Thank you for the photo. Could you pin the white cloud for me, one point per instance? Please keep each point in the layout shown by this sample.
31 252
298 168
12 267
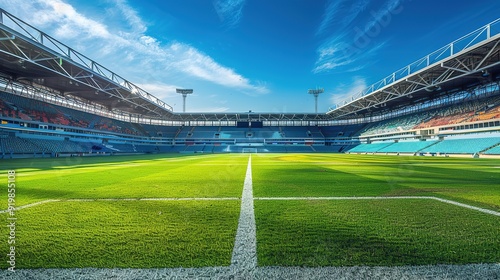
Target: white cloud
127 48
70 23
355 32
210 109
130 15
229 11
341 13
336 54
195 63
160 90
331 11
347 92
354 11
383 16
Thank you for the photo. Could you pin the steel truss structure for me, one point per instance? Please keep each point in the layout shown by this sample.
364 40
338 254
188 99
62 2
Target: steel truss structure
31 56
35 65
250 116
467 62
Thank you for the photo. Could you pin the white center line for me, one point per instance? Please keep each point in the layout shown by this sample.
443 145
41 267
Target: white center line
244 257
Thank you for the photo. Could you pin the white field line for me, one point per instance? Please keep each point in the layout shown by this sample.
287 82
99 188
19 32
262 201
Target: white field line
244 257
123 199
487 211
150 199
483 210
468 271
30 205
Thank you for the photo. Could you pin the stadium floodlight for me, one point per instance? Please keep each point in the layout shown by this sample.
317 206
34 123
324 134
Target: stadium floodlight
316 92
184 93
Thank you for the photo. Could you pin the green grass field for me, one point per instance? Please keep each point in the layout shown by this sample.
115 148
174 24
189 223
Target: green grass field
470 181
376 232
127 177
111 227
138 234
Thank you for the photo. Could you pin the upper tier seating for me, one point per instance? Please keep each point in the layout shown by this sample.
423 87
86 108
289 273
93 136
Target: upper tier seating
493 151
462 146
407 147
370 148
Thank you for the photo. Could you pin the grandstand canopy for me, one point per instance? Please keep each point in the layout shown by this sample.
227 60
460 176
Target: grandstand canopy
31 57
468 62
249 116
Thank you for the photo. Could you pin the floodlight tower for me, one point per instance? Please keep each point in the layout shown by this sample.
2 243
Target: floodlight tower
316 92
184 93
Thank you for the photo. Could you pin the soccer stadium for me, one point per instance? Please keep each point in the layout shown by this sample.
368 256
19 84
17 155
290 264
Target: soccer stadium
102 179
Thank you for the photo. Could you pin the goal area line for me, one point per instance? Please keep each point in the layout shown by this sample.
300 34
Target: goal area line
483 210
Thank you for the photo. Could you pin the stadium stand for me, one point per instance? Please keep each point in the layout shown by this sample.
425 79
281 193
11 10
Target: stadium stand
462 146
493 151
406 114
194 148
159 130
346 131
232 133
471 111
370 147
299 149
121 147
220 149
327 149
467 112
273 149
267 133
30 109
208 149
301 132
407 146
146 148
396 124
19 145
58 146
111 136
203 132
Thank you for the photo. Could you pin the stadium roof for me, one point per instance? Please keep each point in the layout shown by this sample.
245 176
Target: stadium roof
249 116
467 62
30 56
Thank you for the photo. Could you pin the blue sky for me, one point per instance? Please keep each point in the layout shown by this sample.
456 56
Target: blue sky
259 55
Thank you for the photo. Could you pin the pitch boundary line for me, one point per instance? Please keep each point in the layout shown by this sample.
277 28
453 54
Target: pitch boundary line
30 205
483 210
417 272
487 211
122 199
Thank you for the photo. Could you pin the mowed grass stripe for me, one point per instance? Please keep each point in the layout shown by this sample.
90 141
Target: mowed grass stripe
153 177
470 181
123 199
127 234
487 211
409 232
373 232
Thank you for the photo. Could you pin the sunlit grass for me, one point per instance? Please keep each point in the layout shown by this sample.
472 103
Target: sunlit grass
373 232
472 181
133 233
141 234
132 177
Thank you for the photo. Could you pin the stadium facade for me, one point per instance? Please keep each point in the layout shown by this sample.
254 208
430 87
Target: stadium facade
54 101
